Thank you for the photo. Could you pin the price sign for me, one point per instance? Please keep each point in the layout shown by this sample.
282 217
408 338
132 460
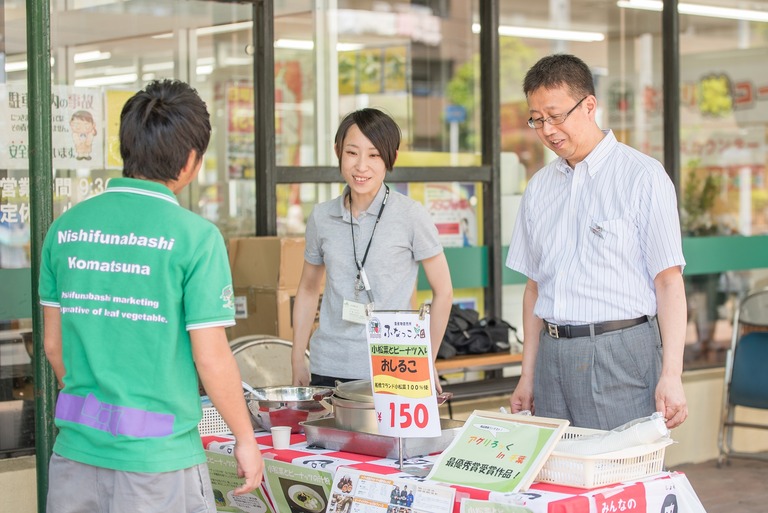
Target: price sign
402 374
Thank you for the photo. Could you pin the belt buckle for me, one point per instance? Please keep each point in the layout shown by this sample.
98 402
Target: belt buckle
552 330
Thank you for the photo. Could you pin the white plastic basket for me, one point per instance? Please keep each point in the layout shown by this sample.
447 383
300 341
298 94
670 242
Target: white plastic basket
602 469
212 423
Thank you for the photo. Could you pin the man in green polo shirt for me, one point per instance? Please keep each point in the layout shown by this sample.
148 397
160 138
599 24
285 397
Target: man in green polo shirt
136 293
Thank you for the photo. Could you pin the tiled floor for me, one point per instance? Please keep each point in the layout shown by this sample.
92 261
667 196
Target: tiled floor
739 487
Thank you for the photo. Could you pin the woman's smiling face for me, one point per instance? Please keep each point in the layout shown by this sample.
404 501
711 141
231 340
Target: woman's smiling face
361 165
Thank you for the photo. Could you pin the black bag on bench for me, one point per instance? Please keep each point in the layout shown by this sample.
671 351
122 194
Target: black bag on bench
466 333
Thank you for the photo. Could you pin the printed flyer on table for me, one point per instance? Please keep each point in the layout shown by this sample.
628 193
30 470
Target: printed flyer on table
355 491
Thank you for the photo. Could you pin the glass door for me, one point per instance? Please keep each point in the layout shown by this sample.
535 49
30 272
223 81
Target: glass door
102 52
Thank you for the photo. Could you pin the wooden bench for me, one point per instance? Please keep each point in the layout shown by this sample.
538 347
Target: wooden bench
476 362
494 383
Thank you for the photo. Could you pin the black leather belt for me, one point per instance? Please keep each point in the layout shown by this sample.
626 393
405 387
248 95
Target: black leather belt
570 331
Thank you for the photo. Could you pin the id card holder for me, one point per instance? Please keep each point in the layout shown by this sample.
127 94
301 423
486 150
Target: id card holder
355 312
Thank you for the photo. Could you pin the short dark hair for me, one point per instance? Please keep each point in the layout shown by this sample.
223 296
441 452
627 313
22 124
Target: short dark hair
159 125
559 70
378 127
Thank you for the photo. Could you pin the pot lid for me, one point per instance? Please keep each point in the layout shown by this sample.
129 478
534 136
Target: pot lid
359 390
287 393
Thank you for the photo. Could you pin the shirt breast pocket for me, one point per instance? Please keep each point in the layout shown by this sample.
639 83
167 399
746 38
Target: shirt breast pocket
607 240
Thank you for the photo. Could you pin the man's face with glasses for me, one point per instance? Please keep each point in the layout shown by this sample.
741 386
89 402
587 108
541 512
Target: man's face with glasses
564 124
554 119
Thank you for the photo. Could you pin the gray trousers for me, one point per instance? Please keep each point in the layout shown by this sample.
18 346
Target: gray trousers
75 487
599 382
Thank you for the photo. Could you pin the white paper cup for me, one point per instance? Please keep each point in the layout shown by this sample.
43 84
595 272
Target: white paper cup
281 437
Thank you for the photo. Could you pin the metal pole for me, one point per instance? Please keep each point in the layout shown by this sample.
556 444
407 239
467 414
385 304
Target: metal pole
670 22
41 208
491 148
264 116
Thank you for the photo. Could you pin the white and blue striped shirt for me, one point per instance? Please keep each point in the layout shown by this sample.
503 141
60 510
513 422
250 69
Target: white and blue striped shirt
593 238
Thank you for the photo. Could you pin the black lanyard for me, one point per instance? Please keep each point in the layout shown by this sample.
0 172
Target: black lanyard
361 263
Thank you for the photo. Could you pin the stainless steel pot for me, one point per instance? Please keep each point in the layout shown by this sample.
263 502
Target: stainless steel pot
286 406
353 406
359 390
352 403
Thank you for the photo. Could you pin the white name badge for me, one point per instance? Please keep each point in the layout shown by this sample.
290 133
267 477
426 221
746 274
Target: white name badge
353 311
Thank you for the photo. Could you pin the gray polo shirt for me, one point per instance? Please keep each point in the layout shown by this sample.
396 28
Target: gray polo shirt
404 236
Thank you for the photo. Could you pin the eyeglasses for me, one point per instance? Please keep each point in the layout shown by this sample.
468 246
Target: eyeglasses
557 119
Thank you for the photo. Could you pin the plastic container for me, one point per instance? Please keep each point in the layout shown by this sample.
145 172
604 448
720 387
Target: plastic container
637 433
211 423
602 469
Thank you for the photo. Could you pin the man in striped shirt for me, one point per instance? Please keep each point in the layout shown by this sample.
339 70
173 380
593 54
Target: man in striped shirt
598 236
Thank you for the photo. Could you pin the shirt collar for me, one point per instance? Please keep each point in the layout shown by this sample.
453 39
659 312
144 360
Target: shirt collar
598 155
595 157
143 187
342 211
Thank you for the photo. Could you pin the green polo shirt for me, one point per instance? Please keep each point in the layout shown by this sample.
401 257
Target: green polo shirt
132 272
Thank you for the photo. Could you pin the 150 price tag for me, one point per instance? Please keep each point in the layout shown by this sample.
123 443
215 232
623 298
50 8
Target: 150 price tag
402 417
402 375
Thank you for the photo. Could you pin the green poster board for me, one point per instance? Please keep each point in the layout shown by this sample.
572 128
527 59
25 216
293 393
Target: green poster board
294 488
498 452
223 470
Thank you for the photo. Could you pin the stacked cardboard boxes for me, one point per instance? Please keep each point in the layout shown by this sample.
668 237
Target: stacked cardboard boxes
265 275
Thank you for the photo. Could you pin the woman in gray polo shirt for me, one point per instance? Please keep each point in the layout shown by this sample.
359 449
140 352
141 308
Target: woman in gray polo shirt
369 242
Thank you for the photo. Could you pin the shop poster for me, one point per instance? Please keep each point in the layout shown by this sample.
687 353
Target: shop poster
115 101
402 374
374 70
355 491
77 126
289 83
224 480
240 130
296 489
498 452
453 207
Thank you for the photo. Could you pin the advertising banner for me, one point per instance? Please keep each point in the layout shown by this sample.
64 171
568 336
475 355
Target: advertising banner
77 127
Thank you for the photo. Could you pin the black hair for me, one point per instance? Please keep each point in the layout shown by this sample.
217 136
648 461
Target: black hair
559 70
669 500
159 125
378 127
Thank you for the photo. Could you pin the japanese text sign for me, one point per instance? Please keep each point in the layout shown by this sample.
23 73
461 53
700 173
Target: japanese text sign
356 491
402 374
501 453
77 127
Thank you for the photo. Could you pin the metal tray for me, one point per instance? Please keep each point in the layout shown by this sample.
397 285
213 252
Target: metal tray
324 433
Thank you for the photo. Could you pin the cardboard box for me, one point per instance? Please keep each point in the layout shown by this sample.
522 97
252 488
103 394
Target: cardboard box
265 275
265 312
266 262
